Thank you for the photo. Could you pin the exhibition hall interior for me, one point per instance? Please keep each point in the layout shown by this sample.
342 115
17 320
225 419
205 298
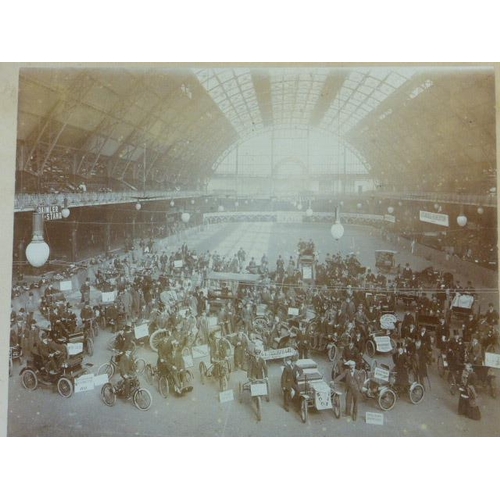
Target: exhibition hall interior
244 250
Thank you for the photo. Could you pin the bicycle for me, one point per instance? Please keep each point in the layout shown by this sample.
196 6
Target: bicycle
258 388
165 378
219 369
110 368
141 397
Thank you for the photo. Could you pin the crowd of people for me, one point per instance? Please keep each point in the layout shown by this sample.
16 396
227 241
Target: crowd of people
344 303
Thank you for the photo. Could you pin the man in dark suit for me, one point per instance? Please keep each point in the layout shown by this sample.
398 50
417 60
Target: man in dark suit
287 383
354 386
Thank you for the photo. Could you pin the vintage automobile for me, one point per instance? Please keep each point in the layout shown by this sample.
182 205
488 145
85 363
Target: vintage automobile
312 391
70 368
385 261
380 385
141 397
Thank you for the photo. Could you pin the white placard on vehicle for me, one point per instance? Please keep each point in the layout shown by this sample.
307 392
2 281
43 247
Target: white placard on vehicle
374 418
284 352
381 374
74 348
66 286
141 331
492 360
84 383
101 379
322 399
108 297
226 396
188 361
178 263
258 389
293 311
307 273
199 351
383 344
388 321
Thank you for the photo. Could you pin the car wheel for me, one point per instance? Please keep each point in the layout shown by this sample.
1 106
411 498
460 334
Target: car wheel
303 410
106 368
417 393
336 405
387 399
64 387
370 348
163 386
108 394
29 380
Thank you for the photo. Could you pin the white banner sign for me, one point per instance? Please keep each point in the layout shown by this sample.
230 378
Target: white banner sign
307 273
107 297
258 389
492 360
84 383
434 218
285 352
226 396
374 418
383 344
178 263
141 331
388 321
188 361
74 348
66 286
199 351
381 374
389 218
293 311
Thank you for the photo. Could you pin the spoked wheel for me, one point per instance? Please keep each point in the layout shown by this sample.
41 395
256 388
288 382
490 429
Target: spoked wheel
332 352
89 347
259 408
163 387
106 368
260 326
140 365
149 374
188 376
142 399
416 393
108 394
440 366
387 399
203 372
156 338
370 348
65 387
336 405
335 371
29 380
303 410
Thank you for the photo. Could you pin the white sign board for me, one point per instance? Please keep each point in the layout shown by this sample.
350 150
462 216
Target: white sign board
141 331
258 389
66 286
307 273
188 361
383 344
199 351
322 395
100 379
388 321
374 418
381 374
389 218
84 383
293 311
226 396
178 264
74 348
462 300
492 360
108 297
285 352
434 218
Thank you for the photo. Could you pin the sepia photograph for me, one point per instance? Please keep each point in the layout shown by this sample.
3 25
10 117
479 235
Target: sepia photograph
253 250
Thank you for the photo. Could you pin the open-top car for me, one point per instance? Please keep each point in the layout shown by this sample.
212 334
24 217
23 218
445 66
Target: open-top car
312 391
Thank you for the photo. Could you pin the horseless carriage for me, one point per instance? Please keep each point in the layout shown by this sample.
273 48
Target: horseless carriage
165 379
312 391
35 373
141 397
380 385
385 261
